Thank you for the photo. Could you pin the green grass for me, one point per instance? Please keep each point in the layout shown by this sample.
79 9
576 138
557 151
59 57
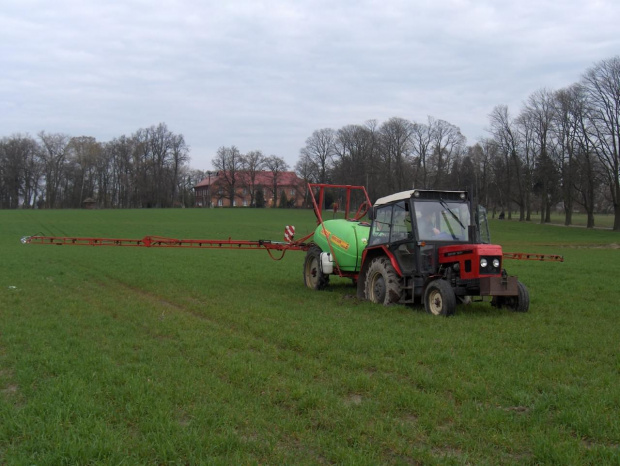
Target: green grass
135 355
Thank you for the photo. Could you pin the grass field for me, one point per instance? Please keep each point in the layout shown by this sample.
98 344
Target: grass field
135 355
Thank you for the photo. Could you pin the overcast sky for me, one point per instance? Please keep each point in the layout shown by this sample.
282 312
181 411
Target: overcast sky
266 74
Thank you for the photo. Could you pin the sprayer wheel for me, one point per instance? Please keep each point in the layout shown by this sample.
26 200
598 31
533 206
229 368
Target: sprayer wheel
314 278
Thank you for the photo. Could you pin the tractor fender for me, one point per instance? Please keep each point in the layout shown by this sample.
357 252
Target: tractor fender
367 257
380 250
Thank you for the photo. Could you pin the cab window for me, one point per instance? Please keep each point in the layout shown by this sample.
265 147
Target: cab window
380 231
401 222
392 223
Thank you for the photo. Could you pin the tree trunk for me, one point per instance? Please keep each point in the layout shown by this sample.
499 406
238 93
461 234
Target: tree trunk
590 223
568 211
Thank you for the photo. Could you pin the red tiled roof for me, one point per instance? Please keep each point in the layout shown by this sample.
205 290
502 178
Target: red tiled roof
263 178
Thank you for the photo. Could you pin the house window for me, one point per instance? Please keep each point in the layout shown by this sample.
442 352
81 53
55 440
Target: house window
234 202
245 203
220 202
292 192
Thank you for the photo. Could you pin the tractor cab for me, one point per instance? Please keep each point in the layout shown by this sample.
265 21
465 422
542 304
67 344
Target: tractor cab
414 224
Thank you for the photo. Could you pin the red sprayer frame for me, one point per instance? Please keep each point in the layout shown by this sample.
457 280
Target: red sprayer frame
359 214
361 211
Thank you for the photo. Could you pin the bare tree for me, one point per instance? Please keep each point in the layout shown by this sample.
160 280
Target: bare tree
588 173
480 155
124 176
191 177
539 112
104 178
304 168
421 150
566 128
143 167
447 142
602 86
84 152
179 156
276 165
33 172
354 148
229 161
252 163
54 155
506 135
320 149
160 141
395 140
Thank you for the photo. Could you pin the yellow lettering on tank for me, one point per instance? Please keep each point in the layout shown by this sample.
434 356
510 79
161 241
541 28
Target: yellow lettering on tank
334 239
338 242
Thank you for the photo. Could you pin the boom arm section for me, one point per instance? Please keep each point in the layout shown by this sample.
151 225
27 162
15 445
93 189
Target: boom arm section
162 242
526 256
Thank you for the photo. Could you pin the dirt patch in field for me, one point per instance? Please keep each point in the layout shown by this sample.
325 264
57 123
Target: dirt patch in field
9 390
517 409
353 400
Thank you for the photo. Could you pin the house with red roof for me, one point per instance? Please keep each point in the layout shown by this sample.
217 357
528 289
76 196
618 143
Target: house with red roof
215 189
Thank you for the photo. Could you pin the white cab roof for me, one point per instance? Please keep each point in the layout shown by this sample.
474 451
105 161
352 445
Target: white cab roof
403 195
394 197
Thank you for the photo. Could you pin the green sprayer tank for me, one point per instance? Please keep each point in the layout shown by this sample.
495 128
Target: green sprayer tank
347 238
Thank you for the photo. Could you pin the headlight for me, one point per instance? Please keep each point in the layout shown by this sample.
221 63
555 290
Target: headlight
483 263
496 263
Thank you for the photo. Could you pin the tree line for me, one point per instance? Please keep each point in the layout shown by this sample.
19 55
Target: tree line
561 149
146 169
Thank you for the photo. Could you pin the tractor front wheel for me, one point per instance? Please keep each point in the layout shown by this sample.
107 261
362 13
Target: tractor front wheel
382 284
314 278
439 298
518 303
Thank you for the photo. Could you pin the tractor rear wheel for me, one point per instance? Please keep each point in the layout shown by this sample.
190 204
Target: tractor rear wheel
382 284
439 298
314 278
519 303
